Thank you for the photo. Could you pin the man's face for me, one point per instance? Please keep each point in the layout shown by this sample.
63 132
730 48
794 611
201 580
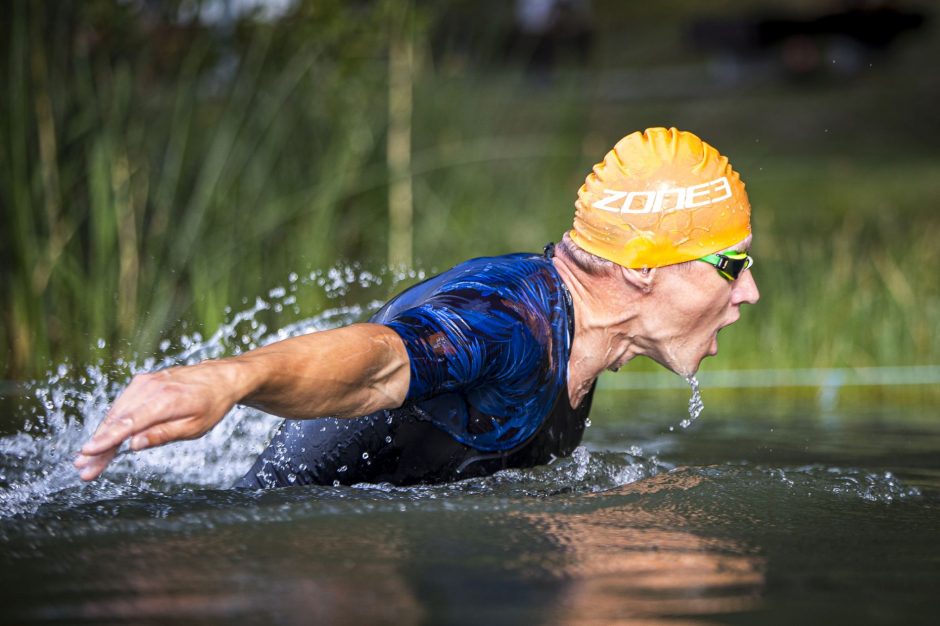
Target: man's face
691 304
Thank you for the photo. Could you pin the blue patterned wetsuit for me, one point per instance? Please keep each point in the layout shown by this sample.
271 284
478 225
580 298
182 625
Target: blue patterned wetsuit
488 343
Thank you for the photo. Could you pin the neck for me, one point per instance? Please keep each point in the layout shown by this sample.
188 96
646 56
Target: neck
605 316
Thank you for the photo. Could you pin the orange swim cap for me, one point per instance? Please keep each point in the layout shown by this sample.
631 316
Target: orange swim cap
661 197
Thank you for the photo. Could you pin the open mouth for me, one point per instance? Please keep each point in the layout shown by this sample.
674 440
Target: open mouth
713 346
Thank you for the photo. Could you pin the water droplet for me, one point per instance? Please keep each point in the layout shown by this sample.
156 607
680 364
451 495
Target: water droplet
342 469
388 439
695 403
365 455
336 483
587 423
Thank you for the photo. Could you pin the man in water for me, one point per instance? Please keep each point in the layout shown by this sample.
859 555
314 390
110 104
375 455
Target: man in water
493 363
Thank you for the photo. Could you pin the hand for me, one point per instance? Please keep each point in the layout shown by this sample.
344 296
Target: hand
170 405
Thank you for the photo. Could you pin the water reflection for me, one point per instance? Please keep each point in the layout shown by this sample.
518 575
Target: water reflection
301 601
630 562
642 552
275 573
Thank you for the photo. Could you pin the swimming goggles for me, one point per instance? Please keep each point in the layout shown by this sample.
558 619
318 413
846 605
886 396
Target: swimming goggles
729 264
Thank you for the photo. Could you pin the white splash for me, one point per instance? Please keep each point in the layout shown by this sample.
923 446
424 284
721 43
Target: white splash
36 463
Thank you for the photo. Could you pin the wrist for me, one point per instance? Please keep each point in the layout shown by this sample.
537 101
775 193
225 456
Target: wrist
237 377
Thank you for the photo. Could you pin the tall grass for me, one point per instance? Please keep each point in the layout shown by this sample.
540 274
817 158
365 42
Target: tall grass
140 195
846 252
154 178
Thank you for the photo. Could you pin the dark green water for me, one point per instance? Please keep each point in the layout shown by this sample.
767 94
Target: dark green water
756 516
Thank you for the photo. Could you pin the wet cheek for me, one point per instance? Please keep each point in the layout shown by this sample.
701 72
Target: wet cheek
716 306
715 313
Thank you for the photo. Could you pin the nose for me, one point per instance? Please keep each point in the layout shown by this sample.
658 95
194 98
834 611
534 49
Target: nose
745 289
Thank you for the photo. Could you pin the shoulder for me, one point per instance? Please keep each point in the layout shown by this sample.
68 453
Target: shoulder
508 270
515 276
482 283
516 287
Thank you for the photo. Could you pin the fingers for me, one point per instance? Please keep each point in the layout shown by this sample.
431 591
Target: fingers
110 434
137 408
91 464
101 449
174 404
90 467
142 404
155 436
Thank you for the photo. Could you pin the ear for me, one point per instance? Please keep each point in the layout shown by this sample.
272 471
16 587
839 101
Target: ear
639 279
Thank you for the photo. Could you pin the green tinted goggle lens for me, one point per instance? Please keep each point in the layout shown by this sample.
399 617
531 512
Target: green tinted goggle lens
730 264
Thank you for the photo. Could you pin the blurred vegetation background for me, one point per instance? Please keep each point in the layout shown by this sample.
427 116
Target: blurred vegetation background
161 162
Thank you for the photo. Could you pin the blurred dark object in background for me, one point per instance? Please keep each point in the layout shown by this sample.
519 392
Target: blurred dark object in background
547 33
841 43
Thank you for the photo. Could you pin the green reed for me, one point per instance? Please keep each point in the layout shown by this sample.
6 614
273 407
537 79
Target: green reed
140 196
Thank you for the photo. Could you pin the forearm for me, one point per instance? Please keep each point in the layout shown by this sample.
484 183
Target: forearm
348 371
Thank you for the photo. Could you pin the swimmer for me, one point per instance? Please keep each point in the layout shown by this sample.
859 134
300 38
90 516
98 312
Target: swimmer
491 364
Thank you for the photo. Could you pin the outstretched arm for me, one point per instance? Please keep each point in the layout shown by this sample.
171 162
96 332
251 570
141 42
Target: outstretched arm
346 372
